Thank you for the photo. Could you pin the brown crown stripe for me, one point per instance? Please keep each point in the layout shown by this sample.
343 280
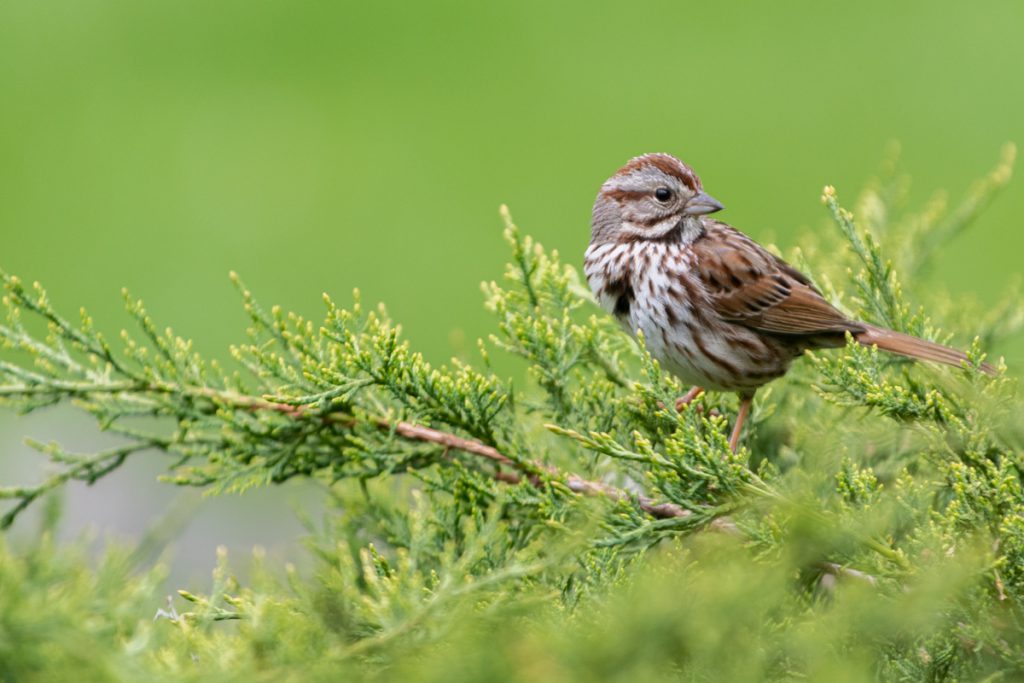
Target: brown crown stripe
666 164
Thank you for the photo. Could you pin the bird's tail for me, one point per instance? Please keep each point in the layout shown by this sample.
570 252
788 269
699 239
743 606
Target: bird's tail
912 347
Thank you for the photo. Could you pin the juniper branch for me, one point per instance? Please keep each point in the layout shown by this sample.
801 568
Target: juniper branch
414 432
88 469
928 507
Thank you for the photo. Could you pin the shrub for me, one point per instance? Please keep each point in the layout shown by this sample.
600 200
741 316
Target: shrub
580 527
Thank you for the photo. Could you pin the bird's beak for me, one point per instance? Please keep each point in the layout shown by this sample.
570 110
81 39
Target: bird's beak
702 204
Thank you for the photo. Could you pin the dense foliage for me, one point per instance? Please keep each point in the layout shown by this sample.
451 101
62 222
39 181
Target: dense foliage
581 527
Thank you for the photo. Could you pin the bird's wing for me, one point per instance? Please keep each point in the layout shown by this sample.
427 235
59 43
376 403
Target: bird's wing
750 286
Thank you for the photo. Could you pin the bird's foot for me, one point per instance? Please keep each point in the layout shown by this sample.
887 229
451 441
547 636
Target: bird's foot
688 398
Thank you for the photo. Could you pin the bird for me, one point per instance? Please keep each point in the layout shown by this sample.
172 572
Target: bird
714 307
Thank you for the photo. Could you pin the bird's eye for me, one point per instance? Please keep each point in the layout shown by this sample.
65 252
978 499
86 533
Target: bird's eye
663 194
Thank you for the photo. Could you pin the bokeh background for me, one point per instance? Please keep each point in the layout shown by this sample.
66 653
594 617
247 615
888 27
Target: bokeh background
320 146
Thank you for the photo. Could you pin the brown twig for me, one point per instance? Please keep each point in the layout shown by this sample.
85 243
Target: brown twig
421 433
575 483
648 505
415 432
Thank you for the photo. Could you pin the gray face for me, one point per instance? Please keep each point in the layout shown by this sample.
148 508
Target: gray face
648 198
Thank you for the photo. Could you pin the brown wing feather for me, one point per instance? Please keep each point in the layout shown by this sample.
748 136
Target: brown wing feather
750 286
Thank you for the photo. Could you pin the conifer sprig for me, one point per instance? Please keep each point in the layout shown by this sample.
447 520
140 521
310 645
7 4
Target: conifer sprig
473 517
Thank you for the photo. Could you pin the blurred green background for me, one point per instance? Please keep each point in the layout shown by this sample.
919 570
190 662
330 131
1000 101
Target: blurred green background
320 146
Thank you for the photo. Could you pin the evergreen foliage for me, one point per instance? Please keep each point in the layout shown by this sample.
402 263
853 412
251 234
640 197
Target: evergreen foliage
578 528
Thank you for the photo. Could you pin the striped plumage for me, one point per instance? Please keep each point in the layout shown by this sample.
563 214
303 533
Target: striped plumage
715 308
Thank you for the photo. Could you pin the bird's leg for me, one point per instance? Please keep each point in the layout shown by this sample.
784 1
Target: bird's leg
734 440
688 398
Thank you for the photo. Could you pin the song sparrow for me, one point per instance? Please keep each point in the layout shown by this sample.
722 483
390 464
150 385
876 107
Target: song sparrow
715 308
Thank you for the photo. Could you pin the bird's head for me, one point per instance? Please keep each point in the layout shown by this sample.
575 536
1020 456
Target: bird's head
649 198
